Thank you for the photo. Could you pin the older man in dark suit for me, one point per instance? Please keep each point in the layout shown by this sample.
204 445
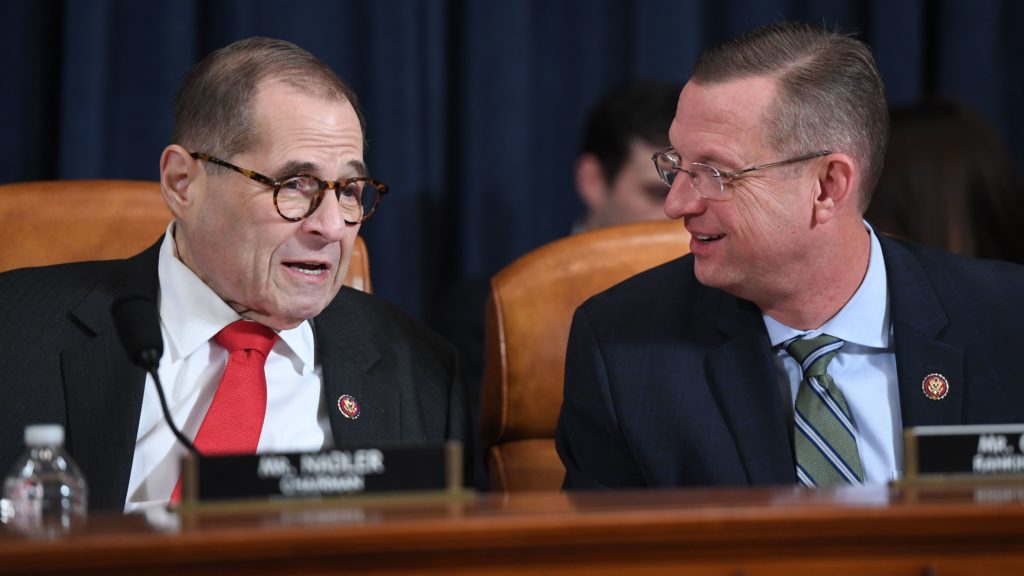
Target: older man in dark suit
794 344
267 184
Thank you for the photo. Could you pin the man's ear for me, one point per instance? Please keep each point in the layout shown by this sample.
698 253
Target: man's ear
836 187
178 170
591 184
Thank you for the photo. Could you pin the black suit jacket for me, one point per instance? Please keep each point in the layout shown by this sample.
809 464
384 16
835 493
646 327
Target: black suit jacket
61 361
671 383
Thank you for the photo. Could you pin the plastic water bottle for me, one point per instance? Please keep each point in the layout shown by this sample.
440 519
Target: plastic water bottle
47 493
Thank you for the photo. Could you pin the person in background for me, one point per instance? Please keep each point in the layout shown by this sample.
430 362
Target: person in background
613 172
265 350
794 343
616 185
949 182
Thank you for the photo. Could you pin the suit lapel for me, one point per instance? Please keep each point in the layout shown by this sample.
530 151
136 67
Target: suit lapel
102 388
744 383
917 319
348 348
743 379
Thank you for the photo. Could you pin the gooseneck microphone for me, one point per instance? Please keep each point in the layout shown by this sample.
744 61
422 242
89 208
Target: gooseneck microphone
138 326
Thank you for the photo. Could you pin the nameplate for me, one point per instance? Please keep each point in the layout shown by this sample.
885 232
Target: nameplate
318 475
963 452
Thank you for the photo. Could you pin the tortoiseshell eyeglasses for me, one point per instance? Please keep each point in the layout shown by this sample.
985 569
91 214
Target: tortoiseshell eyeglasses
297 197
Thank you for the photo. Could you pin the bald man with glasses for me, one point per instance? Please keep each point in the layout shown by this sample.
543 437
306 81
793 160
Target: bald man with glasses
266 180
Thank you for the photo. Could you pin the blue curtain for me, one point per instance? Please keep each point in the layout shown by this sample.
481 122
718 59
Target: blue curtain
474 106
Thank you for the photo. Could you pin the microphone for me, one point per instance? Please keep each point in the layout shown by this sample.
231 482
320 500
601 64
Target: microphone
138 326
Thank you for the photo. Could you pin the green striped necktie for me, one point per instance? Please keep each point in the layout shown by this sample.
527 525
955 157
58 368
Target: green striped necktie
824 434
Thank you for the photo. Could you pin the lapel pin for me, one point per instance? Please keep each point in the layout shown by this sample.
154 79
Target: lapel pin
348 406
935 386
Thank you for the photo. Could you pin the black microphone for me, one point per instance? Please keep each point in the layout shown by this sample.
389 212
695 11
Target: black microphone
138 326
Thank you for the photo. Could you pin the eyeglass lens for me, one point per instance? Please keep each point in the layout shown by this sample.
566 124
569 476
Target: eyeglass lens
704 179
666 166
297 196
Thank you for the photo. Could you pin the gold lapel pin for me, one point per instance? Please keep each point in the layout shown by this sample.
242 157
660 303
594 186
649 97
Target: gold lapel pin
348 406
935 386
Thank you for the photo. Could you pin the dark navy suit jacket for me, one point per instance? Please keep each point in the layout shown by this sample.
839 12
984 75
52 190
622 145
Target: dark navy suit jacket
61 361
671 383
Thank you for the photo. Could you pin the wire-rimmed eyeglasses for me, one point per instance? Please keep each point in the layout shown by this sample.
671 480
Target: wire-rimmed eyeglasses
708 181
299 195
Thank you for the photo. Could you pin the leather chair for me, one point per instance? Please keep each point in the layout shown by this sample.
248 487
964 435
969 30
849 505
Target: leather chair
49 222
529 312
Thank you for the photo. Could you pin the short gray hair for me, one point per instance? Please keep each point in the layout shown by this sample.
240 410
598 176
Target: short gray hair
213 110
830 93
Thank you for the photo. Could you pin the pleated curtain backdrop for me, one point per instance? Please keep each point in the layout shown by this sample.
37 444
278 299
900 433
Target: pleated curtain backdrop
474 107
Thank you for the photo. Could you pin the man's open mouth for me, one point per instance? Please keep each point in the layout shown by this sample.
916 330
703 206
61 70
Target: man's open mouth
307 268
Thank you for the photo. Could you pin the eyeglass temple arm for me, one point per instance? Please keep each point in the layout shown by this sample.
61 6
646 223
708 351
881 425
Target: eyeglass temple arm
243 171
779 163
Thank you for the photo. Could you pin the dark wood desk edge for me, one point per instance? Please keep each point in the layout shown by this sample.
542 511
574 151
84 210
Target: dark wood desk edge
691 526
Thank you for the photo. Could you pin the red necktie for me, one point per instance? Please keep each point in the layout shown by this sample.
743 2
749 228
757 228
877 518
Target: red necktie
235 419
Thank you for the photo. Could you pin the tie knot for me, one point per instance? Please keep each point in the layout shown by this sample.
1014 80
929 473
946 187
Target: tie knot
814 354
246 335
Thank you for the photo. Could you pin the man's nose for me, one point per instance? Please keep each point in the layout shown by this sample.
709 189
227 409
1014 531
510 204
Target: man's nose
328 219
683 199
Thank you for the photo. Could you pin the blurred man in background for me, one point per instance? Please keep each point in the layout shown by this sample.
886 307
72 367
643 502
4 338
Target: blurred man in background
616 185
613 172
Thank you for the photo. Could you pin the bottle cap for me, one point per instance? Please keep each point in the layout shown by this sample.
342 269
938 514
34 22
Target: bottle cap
44 434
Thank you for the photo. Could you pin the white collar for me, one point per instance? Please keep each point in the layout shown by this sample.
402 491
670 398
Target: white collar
192 313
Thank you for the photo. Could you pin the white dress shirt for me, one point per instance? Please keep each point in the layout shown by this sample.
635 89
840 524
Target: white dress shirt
864 369
190 370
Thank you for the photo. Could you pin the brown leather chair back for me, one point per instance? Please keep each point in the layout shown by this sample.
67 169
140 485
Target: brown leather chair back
529 312
49 222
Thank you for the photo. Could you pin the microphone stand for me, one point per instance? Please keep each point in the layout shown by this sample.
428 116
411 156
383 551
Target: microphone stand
150 365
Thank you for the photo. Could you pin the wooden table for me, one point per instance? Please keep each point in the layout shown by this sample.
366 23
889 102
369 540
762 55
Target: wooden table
936 531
